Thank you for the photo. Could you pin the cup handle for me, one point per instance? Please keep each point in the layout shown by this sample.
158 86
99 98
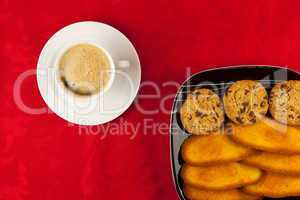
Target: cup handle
123 64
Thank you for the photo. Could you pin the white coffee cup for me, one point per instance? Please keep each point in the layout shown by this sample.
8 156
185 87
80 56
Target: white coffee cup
100 107
67 92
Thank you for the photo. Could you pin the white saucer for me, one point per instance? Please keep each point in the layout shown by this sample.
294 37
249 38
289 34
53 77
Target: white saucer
91 110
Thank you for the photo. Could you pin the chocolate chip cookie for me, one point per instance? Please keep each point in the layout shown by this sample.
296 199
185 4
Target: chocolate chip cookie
202 112
285 102
244 101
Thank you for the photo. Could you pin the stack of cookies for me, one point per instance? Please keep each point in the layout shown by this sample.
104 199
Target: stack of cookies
251 155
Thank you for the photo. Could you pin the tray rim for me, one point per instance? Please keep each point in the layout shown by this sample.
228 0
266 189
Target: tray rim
174 179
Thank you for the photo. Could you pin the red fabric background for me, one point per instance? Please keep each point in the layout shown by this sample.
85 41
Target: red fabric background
42 157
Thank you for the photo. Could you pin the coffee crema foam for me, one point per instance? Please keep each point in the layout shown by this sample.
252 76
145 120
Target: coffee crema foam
85 69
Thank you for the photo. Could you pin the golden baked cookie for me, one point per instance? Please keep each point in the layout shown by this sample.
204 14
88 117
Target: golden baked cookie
267 135
220 177
200 194
276 162
285 102
202 112
212 149
275 186
244 101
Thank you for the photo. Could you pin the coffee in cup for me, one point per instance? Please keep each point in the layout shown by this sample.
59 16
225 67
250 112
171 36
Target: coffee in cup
85 69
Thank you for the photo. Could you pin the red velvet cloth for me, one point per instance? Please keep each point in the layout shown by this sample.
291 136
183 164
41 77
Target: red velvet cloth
44 157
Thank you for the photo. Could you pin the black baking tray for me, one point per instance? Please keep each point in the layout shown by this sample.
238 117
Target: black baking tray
218 80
